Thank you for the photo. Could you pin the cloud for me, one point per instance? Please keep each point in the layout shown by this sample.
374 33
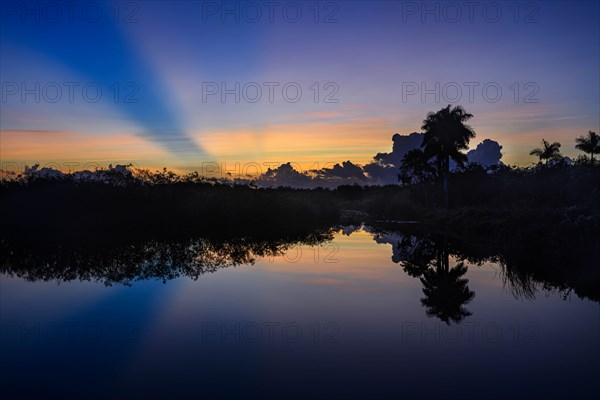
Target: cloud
381 174
284 175
402 144
383 170
347 170
116 175
486 153
346 173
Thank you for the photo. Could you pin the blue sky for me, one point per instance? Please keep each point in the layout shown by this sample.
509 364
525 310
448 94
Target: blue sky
164 54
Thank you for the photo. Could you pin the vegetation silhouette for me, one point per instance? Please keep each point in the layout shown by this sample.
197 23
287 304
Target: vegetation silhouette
528 263
589 144
528 266
416 168
548 152
157 208
445 135
446 291
129 259
541 223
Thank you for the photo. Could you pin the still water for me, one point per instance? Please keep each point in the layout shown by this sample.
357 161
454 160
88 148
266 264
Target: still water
359 313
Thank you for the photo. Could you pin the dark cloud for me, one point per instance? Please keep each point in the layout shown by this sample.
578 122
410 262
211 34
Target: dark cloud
486 153
117 175
284 175
402 144
347 170
381 174
383 170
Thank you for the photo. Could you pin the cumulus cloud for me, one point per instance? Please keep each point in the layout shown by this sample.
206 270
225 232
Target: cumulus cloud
383 170
36 172
486 153
346 171
402 144
284 175
381 174
117 175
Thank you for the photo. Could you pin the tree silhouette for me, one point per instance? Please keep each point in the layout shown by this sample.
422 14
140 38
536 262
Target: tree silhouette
446 291
415 168
446 134
547 152
134 261
589 144
417 254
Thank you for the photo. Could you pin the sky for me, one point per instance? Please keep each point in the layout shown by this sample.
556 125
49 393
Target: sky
183 84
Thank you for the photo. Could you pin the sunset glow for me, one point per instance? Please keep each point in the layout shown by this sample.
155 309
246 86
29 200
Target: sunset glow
169 100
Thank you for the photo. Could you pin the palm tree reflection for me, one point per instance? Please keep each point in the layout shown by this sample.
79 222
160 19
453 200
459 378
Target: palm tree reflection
445 288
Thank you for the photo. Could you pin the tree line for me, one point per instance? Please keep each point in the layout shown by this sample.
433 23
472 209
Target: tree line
447 134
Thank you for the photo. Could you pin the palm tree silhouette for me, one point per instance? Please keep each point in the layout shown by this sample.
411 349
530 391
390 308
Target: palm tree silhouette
589 144
445 136
547 152
446 291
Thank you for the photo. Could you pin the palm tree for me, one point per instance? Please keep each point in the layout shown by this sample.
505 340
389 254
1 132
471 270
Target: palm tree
547 152
446 290
445 136
589 144
446 293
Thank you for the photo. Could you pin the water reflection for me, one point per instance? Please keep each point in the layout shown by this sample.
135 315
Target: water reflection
137 261
526 267
439 262
445 287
